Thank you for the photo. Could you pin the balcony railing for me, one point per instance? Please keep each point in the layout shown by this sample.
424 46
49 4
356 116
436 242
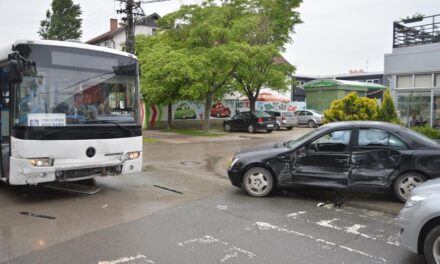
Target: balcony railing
416 31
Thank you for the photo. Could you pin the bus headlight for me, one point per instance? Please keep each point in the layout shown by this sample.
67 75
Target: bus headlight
132 155
41 162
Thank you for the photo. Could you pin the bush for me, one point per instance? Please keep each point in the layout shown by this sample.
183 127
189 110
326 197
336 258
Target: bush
428 131
351 107
387 112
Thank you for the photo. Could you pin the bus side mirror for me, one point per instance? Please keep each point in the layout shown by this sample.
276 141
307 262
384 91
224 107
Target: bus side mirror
15 71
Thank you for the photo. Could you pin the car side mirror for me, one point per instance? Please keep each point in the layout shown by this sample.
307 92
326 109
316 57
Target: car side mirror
15 71
301 152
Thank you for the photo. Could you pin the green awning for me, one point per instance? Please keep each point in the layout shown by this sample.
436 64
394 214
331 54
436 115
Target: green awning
343 83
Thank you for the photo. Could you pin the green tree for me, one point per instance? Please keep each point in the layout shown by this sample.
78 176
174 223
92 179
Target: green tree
350 108
267 27
63 22
260 68
210 35
165 71
387 111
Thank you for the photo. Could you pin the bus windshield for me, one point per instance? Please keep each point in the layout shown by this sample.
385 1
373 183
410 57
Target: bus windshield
70 86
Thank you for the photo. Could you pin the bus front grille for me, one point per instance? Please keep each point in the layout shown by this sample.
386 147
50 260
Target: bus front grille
79 173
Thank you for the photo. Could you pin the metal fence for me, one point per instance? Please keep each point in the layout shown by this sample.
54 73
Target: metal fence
416 31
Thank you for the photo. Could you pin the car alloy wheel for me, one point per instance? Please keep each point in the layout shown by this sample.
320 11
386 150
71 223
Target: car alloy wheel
227 128
251 129
431 246
258 182
277 127
405 183
311 124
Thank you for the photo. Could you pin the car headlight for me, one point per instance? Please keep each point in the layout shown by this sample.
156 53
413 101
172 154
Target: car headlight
415 199
41 162
132 155
234 160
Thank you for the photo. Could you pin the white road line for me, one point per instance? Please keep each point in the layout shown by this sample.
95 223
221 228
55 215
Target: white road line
235 251
268 226
128 259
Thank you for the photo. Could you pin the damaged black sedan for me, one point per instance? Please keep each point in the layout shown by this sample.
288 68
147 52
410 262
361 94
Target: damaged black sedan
353 155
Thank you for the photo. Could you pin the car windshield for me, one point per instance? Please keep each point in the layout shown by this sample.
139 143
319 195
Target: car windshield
316 112
73 87
302 139
261 114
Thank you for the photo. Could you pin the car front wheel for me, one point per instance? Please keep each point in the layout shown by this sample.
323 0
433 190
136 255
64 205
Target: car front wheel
431 246
251 129
258 182
227 128
405 183
311 124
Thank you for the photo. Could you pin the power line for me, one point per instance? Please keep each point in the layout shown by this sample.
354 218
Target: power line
132 10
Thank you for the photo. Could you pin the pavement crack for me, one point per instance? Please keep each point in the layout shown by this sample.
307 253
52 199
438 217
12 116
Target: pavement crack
258 231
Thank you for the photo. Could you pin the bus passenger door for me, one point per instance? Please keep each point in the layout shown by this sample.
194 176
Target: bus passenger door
4 121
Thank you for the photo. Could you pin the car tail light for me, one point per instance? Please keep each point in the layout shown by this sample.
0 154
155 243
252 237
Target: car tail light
260 120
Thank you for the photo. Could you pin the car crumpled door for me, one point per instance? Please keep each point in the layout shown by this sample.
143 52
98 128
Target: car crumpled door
327 163
375 157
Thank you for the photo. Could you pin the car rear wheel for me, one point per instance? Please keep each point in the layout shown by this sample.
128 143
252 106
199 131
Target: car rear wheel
405 183
277 127
269 130
431 246
258 182
251 129
289 128
227 128
311 124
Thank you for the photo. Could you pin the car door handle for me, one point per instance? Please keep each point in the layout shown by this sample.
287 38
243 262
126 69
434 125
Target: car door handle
341 160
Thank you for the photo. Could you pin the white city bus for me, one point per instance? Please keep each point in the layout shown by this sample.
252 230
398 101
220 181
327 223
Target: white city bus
69 111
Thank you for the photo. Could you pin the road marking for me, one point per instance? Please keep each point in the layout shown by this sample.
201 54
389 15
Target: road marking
295 215
268 226
235 251
328 223
222 207
128 259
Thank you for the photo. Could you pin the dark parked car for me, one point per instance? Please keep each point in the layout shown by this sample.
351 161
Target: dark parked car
352 155
251 122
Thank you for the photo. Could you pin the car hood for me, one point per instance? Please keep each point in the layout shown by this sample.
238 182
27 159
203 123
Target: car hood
263 150
431 186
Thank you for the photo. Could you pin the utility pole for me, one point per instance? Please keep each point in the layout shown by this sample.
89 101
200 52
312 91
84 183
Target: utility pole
132 9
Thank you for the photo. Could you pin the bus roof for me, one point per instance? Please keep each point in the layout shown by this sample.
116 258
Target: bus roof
4 51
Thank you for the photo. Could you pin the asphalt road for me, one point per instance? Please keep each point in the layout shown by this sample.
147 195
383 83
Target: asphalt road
198 218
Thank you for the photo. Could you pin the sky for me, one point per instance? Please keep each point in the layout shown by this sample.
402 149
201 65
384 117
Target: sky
336 35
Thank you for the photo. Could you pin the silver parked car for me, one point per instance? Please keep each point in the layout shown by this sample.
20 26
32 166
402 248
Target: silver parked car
309 117
284 119
420 221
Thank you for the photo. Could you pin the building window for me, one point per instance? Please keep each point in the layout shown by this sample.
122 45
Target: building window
404 81
373 81
414 108
437 80
423 80
301 83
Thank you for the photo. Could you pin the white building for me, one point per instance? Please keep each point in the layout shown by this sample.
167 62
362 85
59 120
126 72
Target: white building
413 70
115 37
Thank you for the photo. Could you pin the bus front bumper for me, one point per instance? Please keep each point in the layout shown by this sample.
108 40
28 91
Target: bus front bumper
23 173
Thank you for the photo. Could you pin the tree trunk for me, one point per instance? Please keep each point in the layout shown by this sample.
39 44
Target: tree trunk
252 101
170 116
208 105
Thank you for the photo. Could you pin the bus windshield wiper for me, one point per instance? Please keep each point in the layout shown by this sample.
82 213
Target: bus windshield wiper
54 132
109 122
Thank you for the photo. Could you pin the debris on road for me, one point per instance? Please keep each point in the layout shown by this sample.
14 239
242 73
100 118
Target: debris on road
167 189
38 215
